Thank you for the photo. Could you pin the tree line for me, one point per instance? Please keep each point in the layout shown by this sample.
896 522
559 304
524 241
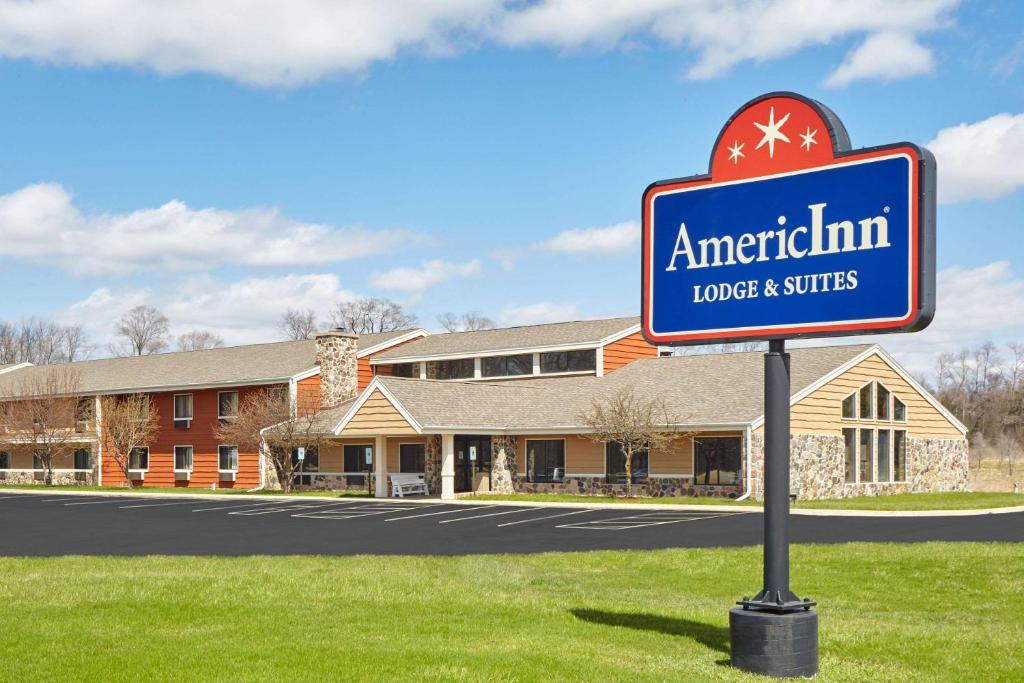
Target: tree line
146 330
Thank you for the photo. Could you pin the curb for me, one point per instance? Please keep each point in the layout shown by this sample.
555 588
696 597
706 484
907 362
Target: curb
471 500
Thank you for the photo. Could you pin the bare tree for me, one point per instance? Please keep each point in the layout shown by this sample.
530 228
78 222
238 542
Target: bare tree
369 315
720 348
467 322
199 340
268 421
144 329
45 414
127 422
637 424
40 341
297 325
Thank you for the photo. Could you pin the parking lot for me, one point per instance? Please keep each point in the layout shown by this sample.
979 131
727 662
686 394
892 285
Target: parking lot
208 525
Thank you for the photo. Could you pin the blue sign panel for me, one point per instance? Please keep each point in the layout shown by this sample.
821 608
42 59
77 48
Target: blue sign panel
837 248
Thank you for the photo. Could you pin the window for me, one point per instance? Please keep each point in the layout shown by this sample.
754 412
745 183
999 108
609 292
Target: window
83 459
545 460
866 404
882 470
850 441
227 458
227 405
899 455
451 369
182 458
716 461
899 410
310 460
411 457
882 402
406 370
867 439
138 459
850 407
37 460
182 407
84 409
5 460
356 457
615 464
568 361
507 366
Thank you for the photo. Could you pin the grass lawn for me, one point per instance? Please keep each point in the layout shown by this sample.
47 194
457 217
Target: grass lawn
190 490
919 501
925 612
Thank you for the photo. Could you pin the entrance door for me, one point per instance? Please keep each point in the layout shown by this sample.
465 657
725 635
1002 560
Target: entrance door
472 462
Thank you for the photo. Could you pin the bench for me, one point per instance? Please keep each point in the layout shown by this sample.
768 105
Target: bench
403 484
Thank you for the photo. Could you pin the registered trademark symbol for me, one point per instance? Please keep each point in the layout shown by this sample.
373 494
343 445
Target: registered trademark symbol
885 209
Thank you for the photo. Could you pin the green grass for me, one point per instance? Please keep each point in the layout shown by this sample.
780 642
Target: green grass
918 612
183 490
919 501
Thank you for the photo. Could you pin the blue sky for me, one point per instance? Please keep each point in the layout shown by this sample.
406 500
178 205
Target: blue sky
458 156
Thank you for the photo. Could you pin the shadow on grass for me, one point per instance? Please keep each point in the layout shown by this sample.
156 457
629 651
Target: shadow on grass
714 637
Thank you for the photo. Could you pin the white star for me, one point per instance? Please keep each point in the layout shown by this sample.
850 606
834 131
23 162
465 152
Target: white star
772 132
808 138
735 152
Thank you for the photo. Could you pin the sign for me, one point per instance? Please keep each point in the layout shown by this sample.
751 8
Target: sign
790 234
369 455
472 452
300 453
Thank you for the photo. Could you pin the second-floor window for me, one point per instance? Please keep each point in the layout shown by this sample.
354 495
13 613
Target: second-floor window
227 405
450 369
406 370
507 366
182 407
568 361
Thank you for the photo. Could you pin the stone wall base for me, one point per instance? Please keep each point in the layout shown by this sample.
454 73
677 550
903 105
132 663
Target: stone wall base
651 488
59 478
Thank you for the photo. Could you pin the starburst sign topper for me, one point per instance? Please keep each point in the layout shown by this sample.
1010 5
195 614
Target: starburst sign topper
791 234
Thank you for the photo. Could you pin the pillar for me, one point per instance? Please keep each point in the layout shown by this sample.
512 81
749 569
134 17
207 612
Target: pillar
380 467
447 467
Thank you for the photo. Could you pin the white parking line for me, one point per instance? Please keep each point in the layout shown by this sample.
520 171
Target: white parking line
157 505
56 500
491 514
348 513
26 496
443 512
539 519
284 508
105 502
238 505
640 521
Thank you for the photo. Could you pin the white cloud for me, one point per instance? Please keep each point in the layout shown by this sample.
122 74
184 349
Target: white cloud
40 223
887 56
535 314
242 312
980 160
722 33
428 274
507 258
974 305
262 42
300 41
612 240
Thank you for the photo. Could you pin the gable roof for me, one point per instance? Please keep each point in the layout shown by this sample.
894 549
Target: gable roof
271 363
580 333
712 390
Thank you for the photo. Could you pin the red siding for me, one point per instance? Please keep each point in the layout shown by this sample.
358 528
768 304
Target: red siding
308 392
202 436
626 350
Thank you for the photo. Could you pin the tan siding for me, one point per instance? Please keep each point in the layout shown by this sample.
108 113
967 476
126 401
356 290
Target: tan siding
627 350
820 412
676 459
377 416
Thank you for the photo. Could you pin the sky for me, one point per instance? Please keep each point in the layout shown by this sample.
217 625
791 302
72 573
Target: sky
227 161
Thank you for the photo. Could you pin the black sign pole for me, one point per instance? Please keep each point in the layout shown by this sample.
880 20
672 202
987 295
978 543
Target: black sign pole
775 633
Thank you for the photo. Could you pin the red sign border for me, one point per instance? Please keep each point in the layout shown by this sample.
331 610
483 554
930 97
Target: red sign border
922 246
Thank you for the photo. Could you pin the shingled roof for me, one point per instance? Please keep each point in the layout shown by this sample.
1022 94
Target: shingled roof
578 333
232 365
705 390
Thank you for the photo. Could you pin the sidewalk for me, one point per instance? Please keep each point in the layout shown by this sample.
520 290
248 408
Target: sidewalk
470 500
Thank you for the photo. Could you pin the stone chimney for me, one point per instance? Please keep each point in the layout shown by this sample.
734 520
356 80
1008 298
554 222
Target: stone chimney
336 355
